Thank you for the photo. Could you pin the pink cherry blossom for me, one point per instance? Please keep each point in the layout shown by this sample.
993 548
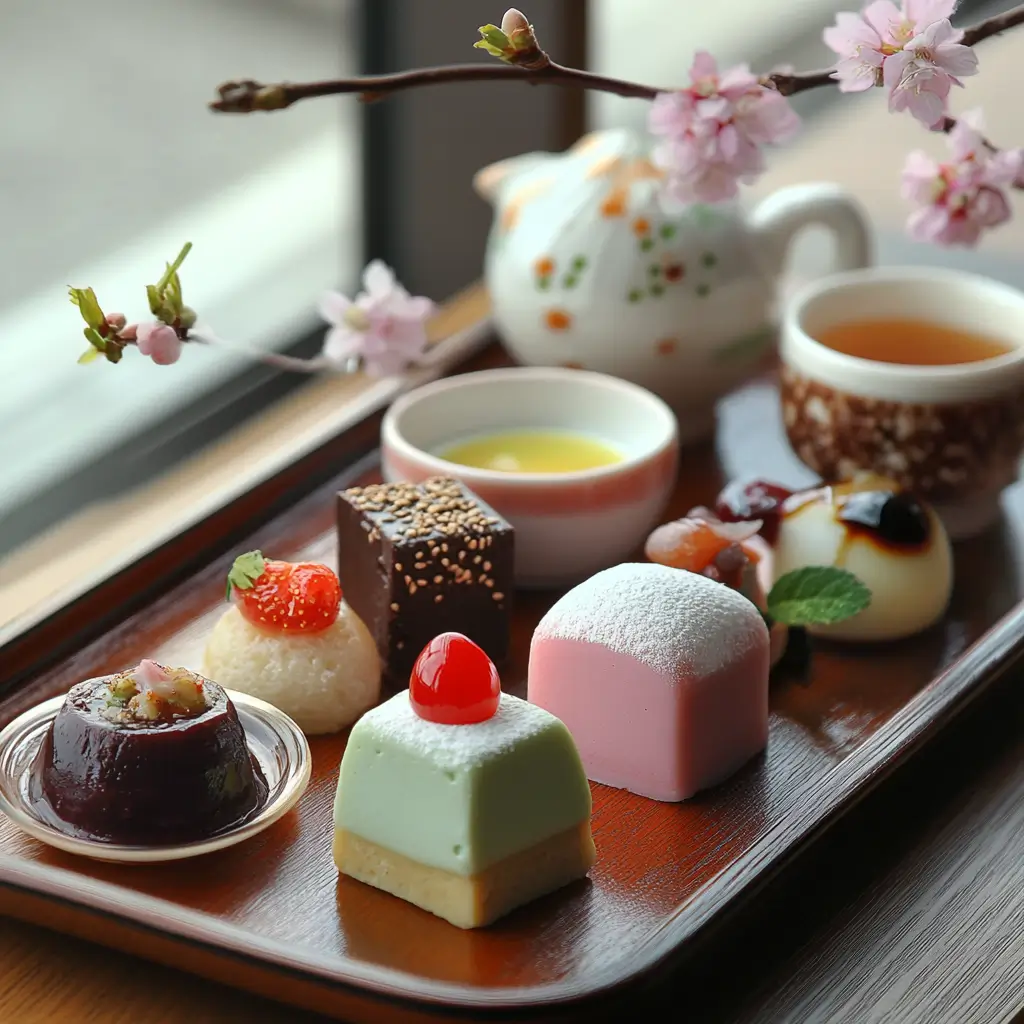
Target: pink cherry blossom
859 47
384 326
912 50
919 77
158 341
713 131
958 200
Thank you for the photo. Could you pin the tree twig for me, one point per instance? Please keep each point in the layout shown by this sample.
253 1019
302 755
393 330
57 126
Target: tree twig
789 84
245 96
994 26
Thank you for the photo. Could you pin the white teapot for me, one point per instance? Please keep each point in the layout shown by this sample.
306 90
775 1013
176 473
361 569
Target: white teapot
586 268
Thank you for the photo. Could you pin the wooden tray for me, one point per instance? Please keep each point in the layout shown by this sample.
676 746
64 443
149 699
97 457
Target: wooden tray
272 915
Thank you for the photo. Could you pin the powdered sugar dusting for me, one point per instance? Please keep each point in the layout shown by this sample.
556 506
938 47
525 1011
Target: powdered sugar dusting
455 747
676 622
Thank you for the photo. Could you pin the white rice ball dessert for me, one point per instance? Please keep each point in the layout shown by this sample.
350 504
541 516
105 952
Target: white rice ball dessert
323 680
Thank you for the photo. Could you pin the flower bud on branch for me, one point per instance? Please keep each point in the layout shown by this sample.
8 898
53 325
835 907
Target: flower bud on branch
514 43
382 331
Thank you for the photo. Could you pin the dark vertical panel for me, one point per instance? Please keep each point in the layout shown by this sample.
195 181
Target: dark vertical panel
423 147
376 55
574 26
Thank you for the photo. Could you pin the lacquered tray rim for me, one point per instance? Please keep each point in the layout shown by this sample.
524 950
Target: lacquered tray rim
909 729
199 929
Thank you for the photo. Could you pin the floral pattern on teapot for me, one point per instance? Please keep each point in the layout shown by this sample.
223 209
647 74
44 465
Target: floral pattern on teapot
586 268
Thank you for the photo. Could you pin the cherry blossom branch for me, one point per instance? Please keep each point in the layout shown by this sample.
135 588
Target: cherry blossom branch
994 26
246 96
382 331
949 123
791 84
527 64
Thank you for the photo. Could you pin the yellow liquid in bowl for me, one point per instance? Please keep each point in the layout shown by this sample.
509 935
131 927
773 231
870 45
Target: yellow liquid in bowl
532 451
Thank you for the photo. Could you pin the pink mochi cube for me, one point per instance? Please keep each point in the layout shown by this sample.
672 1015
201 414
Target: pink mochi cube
661 676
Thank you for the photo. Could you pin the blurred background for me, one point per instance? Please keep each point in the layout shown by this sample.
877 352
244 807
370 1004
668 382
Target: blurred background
109 161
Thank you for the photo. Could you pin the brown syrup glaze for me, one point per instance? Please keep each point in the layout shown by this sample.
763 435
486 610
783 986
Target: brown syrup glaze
892 519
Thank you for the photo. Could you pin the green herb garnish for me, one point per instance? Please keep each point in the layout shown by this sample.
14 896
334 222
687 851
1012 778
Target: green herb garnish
818 595
245 571
121 690
165 301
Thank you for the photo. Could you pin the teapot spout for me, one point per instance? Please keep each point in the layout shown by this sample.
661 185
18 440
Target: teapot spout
488 181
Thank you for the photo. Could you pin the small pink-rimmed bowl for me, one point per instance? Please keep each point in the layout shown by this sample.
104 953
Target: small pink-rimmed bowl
568 525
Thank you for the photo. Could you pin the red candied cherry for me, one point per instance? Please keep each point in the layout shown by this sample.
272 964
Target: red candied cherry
285 597
454 682
754 499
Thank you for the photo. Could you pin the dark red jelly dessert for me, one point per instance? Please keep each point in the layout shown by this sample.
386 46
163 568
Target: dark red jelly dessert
140 767
743 500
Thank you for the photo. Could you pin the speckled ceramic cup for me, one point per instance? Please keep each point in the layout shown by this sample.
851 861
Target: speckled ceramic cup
953 433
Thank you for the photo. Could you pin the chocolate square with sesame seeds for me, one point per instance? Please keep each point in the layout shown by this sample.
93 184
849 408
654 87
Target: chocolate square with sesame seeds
416 560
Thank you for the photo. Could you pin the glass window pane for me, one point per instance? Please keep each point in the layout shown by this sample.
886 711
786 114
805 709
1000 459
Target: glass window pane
111 160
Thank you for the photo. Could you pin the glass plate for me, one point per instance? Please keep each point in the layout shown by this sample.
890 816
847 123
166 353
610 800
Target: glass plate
276 742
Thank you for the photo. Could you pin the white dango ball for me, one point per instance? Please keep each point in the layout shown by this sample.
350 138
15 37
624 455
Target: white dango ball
892 542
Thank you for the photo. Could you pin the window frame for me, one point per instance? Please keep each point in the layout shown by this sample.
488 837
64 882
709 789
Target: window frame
220 390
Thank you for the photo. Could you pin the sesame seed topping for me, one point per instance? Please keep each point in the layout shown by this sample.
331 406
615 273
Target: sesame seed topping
439 505
487 566
439 579
438 598
498 595
394 606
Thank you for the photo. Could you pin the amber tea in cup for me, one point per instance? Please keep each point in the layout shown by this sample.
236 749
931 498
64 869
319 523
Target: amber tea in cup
911 373
910 342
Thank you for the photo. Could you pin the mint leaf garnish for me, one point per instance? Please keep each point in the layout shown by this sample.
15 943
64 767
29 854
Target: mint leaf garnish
245 571
817 595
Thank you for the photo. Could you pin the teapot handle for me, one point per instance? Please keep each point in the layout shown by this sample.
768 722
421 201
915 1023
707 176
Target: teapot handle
777 219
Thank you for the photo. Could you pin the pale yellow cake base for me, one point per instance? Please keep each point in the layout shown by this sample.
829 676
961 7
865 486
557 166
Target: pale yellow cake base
475 900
